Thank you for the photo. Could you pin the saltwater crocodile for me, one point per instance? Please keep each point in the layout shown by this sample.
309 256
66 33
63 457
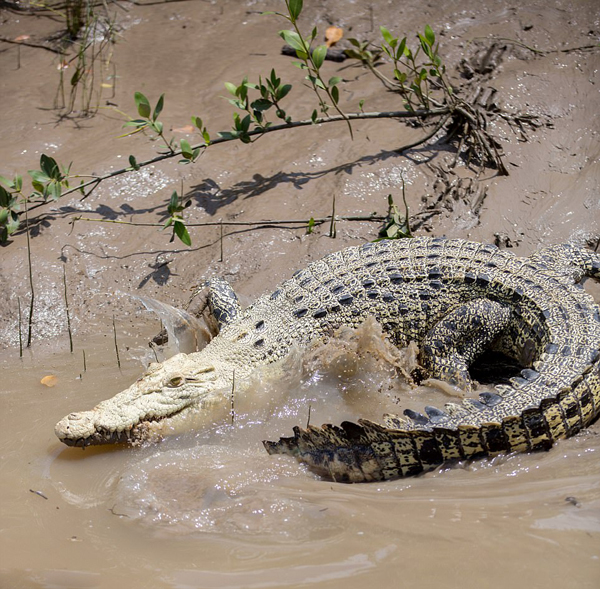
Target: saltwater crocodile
455 298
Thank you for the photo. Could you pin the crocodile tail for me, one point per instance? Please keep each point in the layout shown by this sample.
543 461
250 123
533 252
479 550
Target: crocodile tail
368 451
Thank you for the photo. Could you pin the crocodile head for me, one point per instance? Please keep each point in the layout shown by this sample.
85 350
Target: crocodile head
164 396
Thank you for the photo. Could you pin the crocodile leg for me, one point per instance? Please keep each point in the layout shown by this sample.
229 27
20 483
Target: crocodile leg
571 259
222 301
454 342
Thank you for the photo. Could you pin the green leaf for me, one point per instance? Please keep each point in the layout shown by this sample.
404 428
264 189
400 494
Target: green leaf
173 206
38 186
361 103
400 76
334 80
186 149
143 105
429 35
231 88
3 216
228 134
388 37
76 76
39 177
54 189
314 116
158 127
181 231
319 55
261 105
8 183
401 48
292 39
245 124
283 91
4 197
311 224
158 108
335 94
136 123
50 167
197 122
206 136
295 8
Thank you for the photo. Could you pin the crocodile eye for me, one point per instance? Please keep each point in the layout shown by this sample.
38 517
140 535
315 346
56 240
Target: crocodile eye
176 381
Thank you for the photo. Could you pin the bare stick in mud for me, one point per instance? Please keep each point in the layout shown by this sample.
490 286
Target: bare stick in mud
332 228
221 240
233 398
308 419
116 345
30 277
20 328
67 310
84 362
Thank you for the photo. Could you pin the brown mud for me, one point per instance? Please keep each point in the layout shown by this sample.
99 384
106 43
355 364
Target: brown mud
211 509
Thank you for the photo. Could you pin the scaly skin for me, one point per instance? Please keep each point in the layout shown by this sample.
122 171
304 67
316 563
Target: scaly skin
453 298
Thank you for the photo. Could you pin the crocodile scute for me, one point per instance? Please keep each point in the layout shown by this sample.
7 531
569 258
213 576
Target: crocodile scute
454 298
555 324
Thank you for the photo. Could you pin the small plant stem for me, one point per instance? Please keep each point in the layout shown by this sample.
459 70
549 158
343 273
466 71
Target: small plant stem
84 362
316 71
67 310
233 398
20 328
221 239
116 345
332 228
30 276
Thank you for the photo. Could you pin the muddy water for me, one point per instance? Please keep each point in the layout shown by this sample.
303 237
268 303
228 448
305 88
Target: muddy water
212 509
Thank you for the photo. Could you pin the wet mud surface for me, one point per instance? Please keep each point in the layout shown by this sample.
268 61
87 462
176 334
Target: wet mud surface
210 508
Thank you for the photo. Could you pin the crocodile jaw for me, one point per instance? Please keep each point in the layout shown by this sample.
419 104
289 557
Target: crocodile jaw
148 408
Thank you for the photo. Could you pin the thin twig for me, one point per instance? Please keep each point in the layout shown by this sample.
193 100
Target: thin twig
20 329
232 397
319 221
116 345
84 362
540 51
221 240
30 276
67 309
332 228
35 45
